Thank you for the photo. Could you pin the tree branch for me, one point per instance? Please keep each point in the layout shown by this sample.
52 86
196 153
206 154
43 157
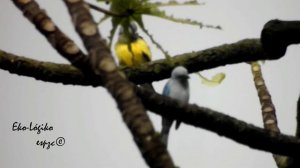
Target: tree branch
63 45
298 118
132 110
197 116
241 51
267 108
277 35
101 63
294 162
45 71
221 124
107 12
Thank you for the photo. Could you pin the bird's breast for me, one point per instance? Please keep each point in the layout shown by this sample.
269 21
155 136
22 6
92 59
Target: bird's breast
178 92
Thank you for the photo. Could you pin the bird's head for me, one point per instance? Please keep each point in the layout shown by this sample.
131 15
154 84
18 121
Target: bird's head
132 28
129 33
180 73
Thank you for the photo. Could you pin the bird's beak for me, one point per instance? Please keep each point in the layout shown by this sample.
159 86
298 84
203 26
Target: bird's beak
185 77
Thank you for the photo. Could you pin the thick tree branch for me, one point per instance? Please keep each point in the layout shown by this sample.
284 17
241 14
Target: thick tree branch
101 63
242 51
221 124
211 120
45 71
277 35
298 118
294 162
64 45
129 104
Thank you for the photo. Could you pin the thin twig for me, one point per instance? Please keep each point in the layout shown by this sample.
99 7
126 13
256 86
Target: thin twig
107 12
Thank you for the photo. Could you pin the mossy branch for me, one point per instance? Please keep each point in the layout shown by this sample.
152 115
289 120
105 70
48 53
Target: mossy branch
224 125
267 108
242 51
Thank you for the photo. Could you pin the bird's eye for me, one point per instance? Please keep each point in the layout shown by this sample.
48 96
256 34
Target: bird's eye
182 76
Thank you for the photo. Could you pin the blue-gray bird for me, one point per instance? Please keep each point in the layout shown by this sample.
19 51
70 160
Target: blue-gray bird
177 88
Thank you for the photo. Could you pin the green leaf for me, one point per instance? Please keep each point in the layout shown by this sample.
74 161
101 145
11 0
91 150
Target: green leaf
215 81
175 3
163 15
132 10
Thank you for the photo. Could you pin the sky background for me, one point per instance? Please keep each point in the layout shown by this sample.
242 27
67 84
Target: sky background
88 119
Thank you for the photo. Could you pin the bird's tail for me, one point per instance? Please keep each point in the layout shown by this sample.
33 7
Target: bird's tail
166 125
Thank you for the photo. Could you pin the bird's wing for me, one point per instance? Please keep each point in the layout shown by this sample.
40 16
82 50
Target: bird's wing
167 89
146 58
144 49
123 53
